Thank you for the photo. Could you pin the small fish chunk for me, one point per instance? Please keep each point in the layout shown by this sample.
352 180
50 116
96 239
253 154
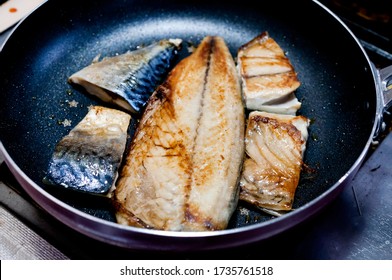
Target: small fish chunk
128 80
275 146
88 158
268 78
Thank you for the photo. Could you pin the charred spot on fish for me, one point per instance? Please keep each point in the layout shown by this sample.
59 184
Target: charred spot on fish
209 225
258 118
189 215
161 92
264 119
191 218
291 130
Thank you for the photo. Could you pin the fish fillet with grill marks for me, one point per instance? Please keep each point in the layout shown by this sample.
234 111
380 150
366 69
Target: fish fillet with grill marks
275 145
184 163
268 77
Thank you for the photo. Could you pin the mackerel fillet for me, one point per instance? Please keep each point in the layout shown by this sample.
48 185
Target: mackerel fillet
182 170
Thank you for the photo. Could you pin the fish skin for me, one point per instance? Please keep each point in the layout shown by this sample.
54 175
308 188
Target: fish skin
128 80
183 166
88 158
275 146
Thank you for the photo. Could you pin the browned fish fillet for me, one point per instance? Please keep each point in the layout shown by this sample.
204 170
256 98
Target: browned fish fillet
268 78
184 164
274 146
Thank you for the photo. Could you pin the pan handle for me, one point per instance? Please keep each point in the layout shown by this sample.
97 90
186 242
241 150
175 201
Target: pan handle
384 91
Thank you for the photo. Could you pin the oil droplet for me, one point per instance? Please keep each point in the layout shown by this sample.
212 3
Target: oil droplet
13 10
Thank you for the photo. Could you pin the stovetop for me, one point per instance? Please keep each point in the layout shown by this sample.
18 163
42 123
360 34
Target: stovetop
371 22
356 225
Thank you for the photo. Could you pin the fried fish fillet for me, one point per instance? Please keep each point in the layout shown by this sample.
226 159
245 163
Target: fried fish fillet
184 163
128 80
275 146
88 158
268 78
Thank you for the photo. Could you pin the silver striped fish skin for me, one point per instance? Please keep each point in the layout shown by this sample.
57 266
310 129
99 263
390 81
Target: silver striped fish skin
128 80
88 158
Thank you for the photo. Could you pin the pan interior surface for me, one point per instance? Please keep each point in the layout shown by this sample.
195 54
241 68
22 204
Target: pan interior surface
61 37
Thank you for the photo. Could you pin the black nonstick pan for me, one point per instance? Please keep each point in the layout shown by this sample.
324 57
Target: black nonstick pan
341 92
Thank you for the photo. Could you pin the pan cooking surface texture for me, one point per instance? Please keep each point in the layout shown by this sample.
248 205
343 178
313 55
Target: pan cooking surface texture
61 37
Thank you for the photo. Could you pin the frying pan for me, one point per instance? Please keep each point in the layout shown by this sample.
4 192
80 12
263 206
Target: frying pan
341 93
